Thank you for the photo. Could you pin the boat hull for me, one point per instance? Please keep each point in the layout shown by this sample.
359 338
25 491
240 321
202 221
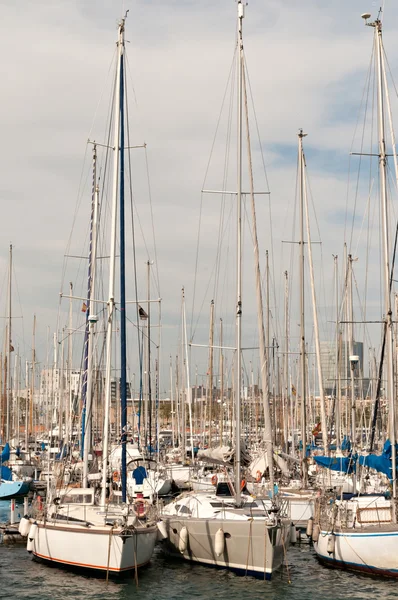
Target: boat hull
102 549
251 547
14 489
372 551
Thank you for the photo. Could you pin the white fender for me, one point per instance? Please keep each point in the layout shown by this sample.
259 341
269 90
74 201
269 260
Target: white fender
309 526
31 537
24 526
219 542
315 532
331 543
293 534
183 543
162 530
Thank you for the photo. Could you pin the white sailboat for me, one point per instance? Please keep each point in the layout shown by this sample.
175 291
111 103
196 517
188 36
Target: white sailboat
227 527
361 534
76 529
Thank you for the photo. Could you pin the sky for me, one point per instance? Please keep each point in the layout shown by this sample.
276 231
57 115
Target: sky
307 65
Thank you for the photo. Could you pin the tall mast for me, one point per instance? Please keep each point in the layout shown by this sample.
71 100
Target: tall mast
111 300
302 320
263 336
9 349
172 403
351 348
241 14
221 367
286 366
386 248
338 357
315 312
87 388
210 371
148 369
123 341
32 382
189 389
69 370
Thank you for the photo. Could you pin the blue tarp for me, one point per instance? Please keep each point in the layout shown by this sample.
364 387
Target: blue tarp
343 463
5 473
382 462
5 455
139 474
346 444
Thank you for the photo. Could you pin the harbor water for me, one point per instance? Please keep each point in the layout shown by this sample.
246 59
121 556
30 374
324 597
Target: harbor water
171 579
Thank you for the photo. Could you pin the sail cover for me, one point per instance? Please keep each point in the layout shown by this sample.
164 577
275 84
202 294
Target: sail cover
381 462
5 455
342 463
224 455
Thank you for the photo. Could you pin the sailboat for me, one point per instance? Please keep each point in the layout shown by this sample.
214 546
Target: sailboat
227 527
75 528
361 533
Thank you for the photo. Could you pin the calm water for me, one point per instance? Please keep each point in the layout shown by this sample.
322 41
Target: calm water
169 579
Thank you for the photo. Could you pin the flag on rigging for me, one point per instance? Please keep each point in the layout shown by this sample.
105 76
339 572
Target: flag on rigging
84 307
317 429
142 313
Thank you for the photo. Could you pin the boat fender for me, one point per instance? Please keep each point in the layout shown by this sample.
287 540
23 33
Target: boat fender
31 537
331 543
293 534
310 526
162 531
140 507
214 480
219 542
315 532
183 541
24 526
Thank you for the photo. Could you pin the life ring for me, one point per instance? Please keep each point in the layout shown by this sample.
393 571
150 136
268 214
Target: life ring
140 507
214 480
258 476
116 477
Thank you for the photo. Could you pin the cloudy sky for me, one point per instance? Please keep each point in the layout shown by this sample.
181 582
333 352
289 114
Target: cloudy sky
307 63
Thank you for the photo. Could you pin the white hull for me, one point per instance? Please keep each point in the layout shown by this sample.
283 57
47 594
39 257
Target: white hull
374 550
106 549
250 547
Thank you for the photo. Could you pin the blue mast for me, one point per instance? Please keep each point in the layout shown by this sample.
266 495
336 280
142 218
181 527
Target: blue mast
123 353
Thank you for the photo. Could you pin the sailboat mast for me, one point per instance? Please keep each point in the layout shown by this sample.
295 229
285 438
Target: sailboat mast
315 316
123 341
263 337
241 14
386 248
338 357
112 268
286 368
9 349
302 318
90 325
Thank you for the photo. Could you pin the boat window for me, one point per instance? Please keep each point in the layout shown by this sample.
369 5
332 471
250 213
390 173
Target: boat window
184 510
77 499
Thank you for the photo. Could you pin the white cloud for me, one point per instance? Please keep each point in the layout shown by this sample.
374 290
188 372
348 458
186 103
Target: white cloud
307 63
